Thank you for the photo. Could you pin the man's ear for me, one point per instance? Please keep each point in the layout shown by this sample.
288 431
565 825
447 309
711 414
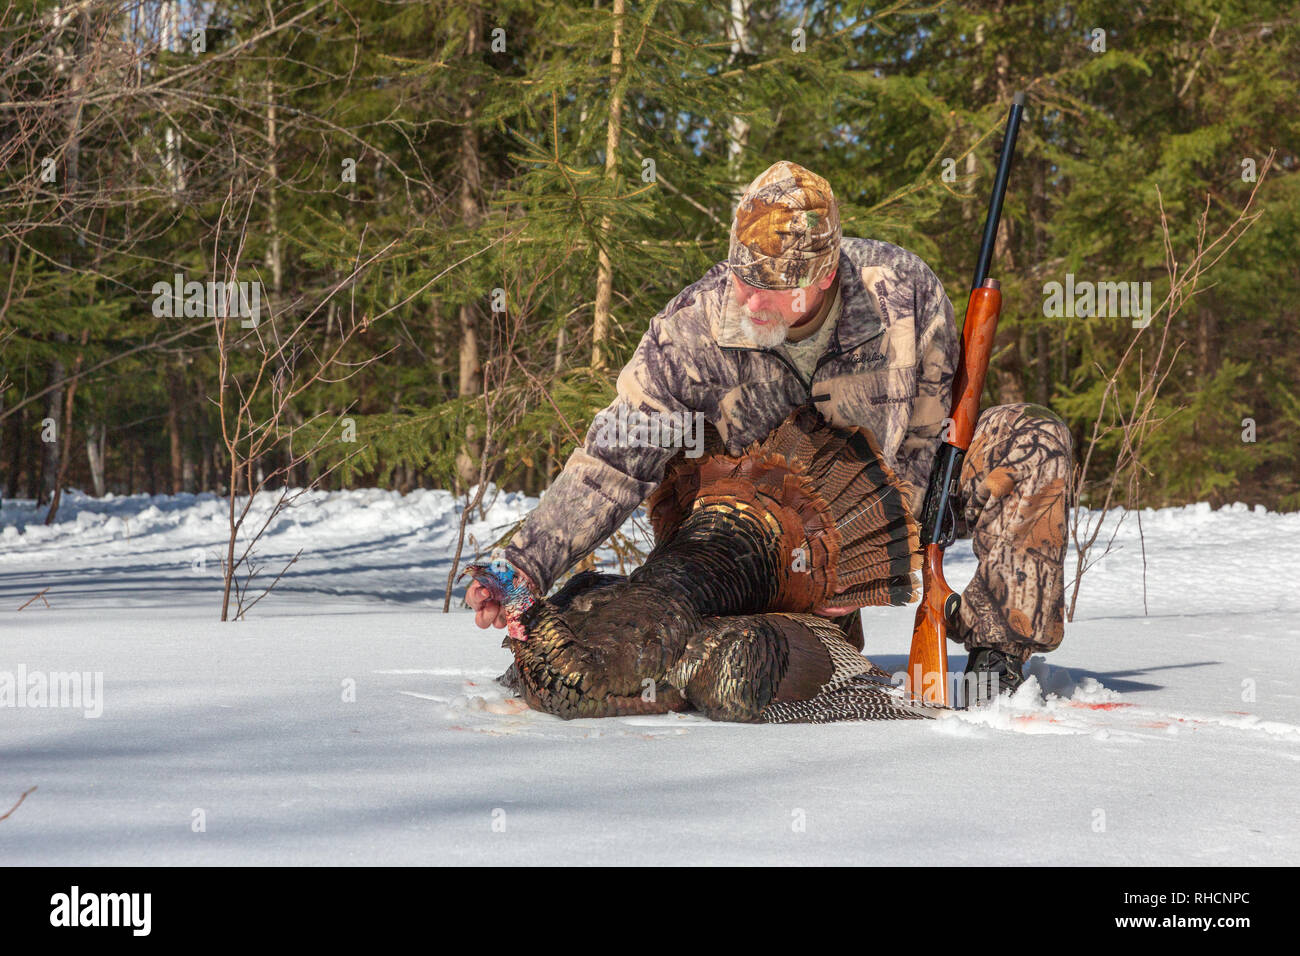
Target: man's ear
826 283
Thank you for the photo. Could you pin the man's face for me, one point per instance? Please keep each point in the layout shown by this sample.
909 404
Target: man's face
767 314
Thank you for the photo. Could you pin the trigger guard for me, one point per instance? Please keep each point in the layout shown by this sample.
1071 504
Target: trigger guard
948 530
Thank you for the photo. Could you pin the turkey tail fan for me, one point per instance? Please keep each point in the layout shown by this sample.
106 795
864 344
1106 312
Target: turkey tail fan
879 539
834 518
671 501
798 438
786 668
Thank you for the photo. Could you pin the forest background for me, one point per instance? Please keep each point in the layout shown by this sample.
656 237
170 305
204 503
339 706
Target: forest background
458 219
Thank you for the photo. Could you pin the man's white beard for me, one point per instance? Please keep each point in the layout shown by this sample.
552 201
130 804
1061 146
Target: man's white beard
765 336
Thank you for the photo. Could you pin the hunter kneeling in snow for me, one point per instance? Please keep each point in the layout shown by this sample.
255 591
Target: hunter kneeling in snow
863 331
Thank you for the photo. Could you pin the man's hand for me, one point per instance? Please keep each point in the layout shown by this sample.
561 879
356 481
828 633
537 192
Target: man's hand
487 612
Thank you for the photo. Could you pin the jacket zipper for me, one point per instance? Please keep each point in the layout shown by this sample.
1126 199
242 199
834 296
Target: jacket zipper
808 385
784 361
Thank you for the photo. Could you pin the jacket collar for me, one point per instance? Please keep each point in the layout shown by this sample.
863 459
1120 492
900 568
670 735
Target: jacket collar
859 316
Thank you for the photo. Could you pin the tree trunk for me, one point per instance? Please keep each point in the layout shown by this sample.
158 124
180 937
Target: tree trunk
1206 337
174 431
561 340
469 380
17 442
207 450
65 440
96 447
50 436
1043 367
130 467
969 210
170 15
738 127
53 450
274 258
1037 230
1011 381
604 267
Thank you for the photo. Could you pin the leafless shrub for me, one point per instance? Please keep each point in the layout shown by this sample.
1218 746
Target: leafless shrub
255 410
1129 414
23 796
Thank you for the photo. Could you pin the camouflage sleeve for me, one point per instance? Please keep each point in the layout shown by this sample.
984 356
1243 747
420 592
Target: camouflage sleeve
938 348
606 479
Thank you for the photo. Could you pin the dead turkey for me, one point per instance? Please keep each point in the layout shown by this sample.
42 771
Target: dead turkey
718 618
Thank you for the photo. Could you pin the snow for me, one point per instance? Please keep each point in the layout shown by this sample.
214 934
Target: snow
347 720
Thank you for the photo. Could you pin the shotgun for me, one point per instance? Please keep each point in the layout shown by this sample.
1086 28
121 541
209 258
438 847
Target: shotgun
927 664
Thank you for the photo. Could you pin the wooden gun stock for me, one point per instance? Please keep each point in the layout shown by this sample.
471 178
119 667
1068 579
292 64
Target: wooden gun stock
927 664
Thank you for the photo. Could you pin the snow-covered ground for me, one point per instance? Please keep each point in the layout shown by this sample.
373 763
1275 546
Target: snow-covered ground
348 720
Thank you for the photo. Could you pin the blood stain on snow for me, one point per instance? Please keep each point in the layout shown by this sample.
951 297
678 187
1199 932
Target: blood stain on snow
1087 706
1030 719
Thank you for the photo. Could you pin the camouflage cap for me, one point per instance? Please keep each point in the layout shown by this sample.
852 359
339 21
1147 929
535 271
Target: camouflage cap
786 232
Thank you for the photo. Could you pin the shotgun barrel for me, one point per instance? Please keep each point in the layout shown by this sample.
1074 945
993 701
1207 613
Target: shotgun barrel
994 216
927 666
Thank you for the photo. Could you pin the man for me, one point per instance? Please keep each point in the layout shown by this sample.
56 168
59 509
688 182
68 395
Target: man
864 331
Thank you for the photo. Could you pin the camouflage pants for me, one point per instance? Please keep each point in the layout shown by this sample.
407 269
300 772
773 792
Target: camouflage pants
1012 504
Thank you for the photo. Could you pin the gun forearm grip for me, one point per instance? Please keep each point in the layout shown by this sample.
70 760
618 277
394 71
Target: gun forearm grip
977 336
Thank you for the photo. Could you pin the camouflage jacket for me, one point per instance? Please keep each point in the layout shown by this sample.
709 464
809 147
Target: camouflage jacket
889 368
